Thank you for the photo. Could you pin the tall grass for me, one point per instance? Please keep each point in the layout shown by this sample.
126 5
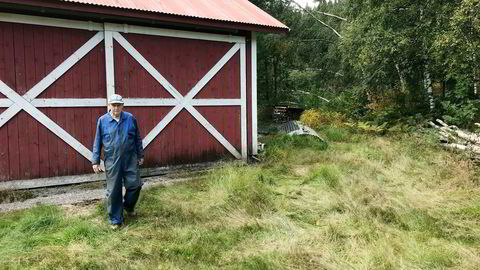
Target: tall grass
360 203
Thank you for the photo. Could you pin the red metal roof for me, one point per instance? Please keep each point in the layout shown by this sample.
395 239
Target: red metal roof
238 11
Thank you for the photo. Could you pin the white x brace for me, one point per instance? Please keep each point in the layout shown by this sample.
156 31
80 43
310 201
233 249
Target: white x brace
24 102
29 103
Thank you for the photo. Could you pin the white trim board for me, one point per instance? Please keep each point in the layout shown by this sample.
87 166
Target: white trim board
243 94
46 21
254 95
124 28
109 64
129 102
216 102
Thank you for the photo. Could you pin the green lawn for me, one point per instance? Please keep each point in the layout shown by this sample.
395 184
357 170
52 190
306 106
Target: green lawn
365 202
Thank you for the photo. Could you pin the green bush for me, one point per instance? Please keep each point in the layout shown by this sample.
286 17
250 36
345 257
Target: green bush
463 114
317 119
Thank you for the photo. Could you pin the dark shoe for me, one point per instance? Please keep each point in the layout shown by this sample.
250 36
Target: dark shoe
131 213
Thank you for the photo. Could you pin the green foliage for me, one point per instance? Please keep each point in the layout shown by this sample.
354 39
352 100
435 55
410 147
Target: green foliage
379 71
461 114
318 119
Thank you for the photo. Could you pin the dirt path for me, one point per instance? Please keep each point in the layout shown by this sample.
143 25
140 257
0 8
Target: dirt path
84 193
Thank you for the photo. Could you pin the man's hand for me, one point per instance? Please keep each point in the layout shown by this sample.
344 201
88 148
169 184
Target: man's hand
140 162
97 168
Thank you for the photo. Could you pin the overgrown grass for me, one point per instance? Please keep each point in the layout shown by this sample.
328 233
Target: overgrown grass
363 202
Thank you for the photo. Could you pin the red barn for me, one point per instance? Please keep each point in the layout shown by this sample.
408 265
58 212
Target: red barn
186 68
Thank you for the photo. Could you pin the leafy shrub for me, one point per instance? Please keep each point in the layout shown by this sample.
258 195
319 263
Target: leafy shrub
317 119
461 114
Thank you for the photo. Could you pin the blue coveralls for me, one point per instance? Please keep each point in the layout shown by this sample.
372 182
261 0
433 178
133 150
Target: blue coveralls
122 147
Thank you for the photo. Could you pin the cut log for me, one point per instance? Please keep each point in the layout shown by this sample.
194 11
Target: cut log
455 138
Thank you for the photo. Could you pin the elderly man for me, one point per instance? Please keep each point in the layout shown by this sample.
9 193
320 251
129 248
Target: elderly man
118 133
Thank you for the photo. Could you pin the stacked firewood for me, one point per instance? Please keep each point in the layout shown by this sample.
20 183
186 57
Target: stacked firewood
454 138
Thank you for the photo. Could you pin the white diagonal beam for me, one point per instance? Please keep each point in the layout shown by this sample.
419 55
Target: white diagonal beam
184 101
146 65
212 72
161 125
24 104
52 77
212 130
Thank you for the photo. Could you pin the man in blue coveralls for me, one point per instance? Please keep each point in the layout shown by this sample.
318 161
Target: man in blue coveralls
118 133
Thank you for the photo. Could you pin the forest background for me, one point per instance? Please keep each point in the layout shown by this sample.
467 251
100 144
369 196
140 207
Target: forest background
382 62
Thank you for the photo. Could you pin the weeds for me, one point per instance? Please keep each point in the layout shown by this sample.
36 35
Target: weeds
365 202
8 196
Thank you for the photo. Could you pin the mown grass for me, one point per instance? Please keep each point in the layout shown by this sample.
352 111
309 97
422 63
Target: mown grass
363 202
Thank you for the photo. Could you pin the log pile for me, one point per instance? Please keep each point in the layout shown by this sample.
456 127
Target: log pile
454 138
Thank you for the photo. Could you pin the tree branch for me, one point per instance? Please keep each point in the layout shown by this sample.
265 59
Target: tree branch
331 15
315 17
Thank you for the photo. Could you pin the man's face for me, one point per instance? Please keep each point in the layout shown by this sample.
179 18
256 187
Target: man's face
116 109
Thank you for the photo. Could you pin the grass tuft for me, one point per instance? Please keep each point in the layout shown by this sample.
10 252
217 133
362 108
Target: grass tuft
335 134
40 219
324 174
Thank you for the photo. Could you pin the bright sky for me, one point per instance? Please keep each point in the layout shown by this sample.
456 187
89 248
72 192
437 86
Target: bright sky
305 2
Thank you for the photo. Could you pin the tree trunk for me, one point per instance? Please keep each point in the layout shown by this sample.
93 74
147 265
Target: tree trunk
476 80
475 86
403 82
427 82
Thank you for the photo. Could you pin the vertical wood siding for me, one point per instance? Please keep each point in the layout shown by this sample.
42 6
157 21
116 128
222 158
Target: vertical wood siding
28 53
183 62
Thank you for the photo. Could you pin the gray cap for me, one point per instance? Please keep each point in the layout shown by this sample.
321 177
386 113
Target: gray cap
115 99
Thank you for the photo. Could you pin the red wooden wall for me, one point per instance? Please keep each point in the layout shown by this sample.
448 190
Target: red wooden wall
183 62
28 53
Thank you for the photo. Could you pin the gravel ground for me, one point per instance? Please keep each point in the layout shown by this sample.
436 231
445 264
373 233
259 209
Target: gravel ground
83 193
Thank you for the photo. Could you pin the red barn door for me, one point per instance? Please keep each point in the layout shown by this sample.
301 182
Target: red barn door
187 90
